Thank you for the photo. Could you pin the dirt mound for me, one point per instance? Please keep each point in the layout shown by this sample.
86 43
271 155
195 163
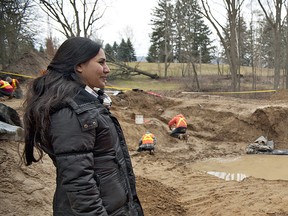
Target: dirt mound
142 102
30 63
155 203
167 182
280 95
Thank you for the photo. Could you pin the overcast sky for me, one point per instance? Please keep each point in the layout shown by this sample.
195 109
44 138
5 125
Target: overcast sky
132 18
129 18
122 19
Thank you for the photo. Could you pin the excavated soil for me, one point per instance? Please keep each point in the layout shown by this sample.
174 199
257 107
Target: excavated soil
167 182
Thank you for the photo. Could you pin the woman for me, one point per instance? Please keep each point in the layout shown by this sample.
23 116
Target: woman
65 118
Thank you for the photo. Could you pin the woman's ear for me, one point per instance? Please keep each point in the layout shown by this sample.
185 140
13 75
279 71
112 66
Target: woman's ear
79 68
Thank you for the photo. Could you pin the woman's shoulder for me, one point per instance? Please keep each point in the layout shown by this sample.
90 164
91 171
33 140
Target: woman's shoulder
56 108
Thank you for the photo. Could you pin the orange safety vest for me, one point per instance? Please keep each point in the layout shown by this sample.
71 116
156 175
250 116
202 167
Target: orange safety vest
14 83
178 121
6 86
147 139
181 123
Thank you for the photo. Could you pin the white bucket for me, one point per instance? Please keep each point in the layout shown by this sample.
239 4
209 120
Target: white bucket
139 119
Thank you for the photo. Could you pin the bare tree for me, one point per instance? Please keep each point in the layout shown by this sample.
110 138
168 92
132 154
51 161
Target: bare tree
162 36
285 30
168 38
252 46
275 23
15 35
85 15
81 23
231 45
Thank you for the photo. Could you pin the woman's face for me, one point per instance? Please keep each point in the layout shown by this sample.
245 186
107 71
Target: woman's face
95 71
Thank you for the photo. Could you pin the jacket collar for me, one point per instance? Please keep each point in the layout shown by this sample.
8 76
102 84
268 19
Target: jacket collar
84 101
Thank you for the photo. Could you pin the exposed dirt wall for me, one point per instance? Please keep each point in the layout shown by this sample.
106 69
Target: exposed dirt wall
167 182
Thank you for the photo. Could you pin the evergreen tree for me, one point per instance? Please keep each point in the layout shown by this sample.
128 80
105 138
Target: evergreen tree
266 44
243 42
110 54
154 49
132 56
152 54
162 37
123 51
115 49
192 34
182 30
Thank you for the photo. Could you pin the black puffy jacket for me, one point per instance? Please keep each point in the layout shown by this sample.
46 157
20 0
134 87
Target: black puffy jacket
94 170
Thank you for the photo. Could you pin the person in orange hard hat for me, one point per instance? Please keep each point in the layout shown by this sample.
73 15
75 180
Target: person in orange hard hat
6 89
178 127
147 142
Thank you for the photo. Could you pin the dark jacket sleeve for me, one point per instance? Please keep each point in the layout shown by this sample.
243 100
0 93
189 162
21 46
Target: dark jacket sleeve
73 148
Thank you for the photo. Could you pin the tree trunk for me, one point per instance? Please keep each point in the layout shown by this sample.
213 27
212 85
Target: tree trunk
134 69
196 76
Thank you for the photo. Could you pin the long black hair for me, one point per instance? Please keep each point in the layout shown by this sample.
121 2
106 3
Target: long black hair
50 90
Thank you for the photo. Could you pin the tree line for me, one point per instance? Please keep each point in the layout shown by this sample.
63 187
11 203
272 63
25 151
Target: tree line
179 33
124 52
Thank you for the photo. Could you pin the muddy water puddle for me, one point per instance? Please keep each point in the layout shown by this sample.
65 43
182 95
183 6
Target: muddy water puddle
269 167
